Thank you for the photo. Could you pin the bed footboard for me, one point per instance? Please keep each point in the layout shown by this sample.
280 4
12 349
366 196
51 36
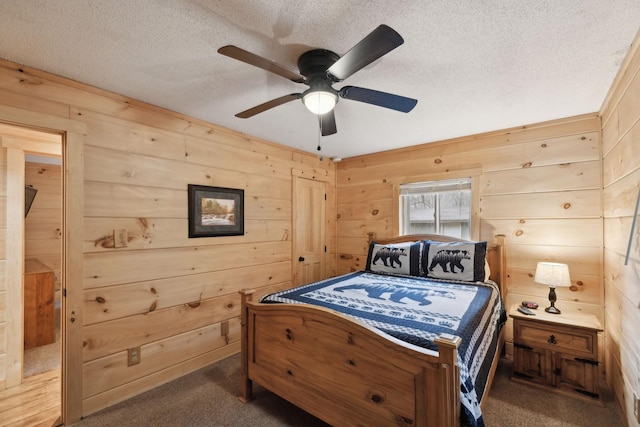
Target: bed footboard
344 372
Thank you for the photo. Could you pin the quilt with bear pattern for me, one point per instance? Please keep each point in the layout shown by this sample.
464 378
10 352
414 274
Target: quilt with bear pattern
417 310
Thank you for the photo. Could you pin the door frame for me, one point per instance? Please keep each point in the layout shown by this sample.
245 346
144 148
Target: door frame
73 134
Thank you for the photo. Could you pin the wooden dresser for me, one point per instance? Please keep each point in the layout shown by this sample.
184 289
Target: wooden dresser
557 351
39 304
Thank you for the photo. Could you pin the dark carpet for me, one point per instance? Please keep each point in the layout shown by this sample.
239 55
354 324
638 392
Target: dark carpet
208 397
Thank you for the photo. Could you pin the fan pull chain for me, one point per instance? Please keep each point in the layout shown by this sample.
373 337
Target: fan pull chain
319 132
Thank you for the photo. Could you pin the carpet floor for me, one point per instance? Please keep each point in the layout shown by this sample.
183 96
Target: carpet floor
207 397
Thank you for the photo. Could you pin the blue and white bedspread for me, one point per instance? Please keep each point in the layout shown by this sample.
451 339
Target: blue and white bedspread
417 310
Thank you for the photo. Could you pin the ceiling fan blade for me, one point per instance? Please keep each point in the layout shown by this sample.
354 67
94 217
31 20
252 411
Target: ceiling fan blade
379 42
381 99
268 105
260 62
327 123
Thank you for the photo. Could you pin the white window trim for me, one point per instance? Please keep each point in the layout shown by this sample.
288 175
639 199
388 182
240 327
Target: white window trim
474 174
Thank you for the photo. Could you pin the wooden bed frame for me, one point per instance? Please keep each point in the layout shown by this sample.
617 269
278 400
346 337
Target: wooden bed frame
347 373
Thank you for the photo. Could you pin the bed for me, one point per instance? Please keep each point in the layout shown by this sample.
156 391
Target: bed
334 349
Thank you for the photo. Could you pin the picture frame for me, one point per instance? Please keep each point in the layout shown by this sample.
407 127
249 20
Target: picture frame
215 211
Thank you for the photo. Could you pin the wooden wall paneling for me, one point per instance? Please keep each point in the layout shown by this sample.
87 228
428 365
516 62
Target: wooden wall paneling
160 233
546 232
3 249
36 248
629 104
564 149
166 138
620 198
583 260
26 102
629 321
44 224
365 211
609 133
120 167
363 193
111 371
626 74
621 175
556 204
112 268
576 176
348 263
352 254
112 302
360 228
38 121
106 199
616 237
232 158
130 389
584 288
118 200
625 282
106 338
78 97
3 274
539 185
624 157
577 125
3 344
3 315
131 149
117 134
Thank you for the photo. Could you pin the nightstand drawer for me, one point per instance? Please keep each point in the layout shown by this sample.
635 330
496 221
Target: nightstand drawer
558 338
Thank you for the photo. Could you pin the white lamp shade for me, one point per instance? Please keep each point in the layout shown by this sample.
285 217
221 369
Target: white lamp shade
319 101
552 274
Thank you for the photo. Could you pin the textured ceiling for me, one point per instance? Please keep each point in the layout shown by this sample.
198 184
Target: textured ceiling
474 66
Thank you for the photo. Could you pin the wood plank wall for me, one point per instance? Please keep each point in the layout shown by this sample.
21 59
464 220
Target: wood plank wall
621 176
174 297
3 270
539 185
43 225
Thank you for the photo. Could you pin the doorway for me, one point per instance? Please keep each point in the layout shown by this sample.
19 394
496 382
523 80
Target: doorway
33 266
42 263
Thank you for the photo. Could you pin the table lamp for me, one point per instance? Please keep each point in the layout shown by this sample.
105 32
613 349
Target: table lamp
552 274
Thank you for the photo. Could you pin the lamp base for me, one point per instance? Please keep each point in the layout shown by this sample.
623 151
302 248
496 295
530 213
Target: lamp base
552 300
552 310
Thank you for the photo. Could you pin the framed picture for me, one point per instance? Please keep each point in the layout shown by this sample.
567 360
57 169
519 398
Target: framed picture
215 211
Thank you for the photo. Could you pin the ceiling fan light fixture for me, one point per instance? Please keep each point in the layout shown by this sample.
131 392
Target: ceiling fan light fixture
319 101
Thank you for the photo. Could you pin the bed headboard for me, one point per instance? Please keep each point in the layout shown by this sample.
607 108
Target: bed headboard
496 254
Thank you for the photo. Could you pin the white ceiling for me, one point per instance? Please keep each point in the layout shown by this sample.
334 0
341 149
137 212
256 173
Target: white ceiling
473 65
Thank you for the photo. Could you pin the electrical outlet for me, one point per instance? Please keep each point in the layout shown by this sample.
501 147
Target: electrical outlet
133 356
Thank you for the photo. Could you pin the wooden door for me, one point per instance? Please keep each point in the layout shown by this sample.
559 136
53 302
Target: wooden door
309 237
577 374
532 364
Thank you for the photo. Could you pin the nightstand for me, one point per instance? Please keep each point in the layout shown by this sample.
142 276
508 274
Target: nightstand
558 352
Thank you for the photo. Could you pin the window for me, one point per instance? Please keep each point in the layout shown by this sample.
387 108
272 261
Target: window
436 207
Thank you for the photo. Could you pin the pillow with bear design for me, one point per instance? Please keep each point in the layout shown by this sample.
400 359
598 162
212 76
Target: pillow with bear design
394 258
454 260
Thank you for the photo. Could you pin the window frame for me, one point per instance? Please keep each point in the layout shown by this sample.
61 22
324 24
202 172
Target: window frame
473 174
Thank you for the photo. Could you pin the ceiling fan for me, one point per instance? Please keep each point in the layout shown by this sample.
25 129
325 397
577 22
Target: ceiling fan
320 69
